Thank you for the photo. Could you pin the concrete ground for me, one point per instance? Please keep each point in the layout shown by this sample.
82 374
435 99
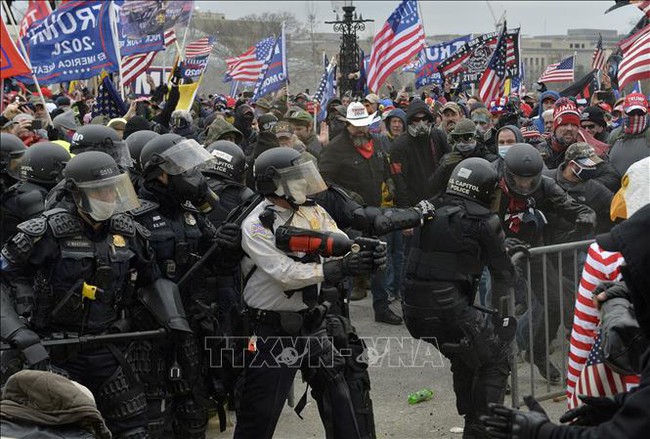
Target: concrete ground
392 381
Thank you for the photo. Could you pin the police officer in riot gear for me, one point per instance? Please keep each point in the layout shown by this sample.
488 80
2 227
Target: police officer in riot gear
442 271
175 200
101 138
135 142
39 170
225 175
82 266
281 295
11 148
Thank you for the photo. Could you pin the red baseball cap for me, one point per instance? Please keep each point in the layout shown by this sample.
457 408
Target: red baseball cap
635 101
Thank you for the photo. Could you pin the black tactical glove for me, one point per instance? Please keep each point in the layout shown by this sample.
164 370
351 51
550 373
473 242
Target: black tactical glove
379 257
352 264
451 159
427 210
29 344
515 245
583 230
613 290
229 236
594 411
509 423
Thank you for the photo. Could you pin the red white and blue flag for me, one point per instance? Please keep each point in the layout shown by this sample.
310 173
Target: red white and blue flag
36 11
494 76
247 66
12 62
559 72
635 65
200 47
598 58
400 39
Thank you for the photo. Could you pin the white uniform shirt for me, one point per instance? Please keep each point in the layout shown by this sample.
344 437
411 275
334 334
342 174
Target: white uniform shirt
276 272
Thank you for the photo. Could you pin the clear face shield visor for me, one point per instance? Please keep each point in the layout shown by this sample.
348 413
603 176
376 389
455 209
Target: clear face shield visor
103 198
523 185
184 156
300 181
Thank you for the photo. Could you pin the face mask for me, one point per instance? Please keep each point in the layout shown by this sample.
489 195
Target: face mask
193 187
635 124
503 149
102 210
465 147
418 129
583 173
297 190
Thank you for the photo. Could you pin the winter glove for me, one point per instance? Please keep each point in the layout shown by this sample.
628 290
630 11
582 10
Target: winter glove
594 411
583 230
229 236
612 290
514 245
379 257
352 264
509 423
451 159
29 344
427 210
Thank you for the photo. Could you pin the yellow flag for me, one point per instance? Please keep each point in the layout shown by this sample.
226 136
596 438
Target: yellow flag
187 93
506 87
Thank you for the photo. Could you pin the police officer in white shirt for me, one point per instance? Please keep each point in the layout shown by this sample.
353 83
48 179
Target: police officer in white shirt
281 294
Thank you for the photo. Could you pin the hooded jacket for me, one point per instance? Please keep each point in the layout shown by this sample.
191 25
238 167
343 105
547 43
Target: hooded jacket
415 159
387 140
538 120
245 128
220 127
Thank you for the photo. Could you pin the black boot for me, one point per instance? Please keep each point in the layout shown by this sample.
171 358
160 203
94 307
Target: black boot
389 317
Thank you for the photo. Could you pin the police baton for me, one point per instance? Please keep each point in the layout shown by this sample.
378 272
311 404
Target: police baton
101 338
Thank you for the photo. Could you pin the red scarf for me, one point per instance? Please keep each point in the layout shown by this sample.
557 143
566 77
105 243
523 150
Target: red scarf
366 150
515 210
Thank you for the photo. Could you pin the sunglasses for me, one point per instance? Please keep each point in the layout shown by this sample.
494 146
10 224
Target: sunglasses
589 126
463 137
419 119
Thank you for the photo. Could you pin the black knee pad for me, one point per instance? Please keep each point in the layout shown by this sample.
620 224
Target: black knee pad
121 397
190 420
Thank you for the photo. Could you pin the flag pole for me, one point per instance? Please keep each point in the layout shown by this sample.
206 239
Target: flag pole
284 61
28 62
118 52
187 28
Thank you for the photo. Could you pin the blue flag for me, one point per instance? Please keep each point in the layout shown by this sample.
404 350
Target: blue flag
274 72
108 100
75 42
326 91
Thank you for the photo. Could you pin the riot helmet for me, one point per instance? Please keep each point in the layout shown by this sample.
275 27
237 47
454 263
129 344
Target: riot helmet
98 186
284 173
43 163
11 149
182 160
229 161
474 179
100 138
463 137
135 142
523 169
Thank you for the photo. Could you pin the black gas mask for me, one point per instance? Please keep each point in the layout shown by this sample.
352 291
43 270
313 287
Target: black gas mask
193 187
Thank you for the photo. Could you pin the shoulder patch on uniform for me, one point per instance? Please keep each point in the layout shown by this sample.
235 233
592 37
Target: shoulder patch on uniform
142 230
33 227
145 206
258 230
63 223
187 205
122 224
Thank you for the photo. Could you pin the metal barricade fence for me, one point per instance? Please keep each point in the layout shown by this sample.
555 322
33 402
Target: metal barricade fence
547 288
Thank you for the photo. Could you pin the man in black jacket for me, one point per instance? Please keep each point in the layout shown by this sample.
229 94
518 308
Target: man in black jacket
416 155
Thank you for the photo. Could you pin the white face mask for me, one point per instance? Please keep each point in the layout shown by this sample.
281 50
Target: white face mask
102 210
297 191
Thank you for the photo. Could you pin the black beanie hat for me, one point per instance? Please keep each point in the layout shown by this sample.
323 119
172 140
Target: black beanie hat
595 115
136 123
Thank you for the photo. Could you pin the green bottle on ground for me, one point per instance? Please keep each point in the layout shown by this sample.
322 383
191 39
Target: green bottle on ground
419 396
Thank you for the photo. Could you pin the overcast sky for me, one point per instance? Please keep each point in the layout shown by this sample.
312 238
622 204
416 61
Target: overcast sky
461 17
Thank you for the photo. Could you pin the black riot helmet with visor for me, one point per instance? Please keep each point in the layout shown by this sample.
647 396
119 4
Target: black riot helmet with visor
523 169
11 149
99 187
182 160
229 161
473 179
284 173
100 138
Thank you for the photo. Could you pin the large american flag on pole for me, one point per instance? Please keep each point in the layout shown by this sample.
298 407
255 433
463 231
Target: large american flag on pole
559 72
399 40
135 65
598 58
494 76
247 66
635 64
202 46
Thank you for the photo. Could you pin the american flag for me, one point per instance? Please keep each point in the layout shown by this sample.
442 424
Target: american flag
200 47
135 65
247 66
558 72
596 378
399 40
108 101
494 76
326 90
635 64
644 6
598 58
